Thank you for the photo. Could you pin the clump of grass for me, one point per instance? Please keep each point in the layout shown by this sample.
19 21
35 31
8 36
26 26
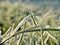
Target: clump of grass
30 30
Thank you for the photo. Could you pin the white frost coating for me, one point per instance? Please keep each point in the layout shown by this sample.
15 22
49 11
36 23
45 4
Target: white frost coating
17 27
47 26
0 33
58 27
20 24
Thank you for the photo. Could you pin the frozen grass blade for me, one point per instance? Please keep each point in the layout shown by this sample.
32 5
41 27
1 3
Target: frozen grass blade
21 37
34 23
45 41
7 32
20 24
42 43
17 27
55 40
31 30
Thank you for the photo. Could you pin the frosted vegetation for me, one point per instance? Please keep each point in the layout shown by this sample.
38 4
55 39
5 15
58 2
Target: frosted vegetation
29 24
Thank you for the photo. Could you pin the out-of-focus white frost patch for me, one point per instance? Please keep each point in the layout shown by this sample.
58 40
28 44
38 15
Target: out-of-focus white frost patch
0 32
47 26
58 27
